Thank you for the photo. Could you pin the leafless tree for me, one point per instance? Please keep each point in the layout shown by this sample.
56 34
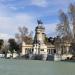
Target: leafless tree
63 27
24 35
72 16
64 31
23 30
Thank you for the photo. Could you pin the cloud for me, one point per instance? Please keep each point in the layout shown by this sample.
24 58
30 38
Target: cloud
15 13
7 25
41 3
10 24
14 4
5 36
10 21
50 29
24 19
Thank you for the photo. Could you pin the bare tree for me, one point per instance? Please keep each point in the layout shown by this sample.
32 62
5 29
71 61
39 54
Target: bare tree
72 16
63 27
31 34
23 30
72 19
24 35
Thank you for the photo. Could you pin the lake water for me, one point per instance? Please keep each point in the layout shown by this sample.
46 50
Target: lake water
34 67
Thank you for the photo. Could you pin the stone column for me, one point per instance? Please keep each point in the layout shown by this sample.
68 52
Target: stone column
23 51
67 49
23 48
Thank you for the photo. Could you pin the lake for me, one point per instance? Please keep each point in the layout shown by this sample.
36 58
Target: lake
35 67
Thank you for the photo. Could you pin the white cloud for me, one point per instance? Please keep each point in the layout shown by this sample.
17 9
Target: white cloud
6 22
24 19
10 24
7 25
10 21
5 36
11 16
50 29
42 3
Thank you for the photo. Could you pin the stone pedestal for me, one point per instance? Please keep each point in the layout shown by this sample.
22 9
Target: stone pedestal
40 49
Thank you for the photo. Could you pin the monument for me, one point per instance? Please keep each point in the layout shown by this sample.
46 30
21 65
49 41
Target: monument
39 46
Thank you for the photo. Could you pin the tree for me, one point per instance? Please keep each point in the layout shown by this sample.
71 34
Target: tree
57 43
63 27
5 48
18 48
23 30
24 35
1 44
46 40
13 46
72 48
72 17
51 40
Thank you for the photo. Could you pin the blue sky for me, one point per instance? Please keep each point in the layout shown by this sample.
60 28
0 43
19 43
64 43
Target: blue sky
15 13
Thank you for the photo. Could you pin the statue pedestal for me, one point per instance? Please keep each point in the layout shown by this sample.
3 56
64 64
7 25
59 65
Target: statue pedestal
40 49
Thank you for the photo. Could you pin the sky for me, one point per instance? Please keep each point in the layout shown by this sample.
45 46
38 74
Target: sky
19 13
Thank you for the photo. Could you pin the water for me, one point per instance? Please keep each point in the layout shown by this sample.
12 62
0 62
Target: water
34 67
